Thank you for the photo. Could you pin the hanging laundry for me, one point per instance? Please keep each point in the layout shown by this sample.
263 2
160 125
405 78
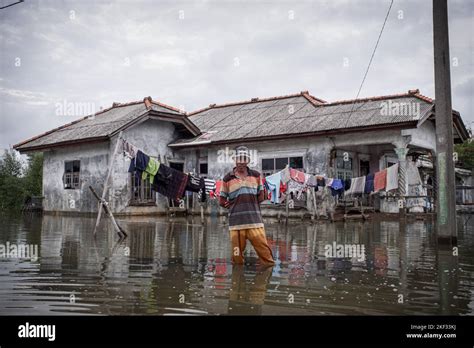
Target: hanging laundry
296 175
202 195
283 188
415 188
128 149
337 184
273 184
151 169
139 163
321 181
413 174
217 191
380 180
295 189
170 182
194 183
357 185
369 183
392 177
337 187
265 188
285 175
310 180
209 186
329 182
347 184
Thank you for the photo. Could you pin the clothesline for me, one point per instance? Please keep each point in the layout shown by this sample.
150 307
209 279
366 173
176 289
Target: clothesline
288 181
293 181
168 181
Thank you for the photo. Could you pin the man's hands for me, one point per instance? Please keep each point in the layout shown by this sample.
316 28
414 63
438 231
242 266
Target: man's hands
224 202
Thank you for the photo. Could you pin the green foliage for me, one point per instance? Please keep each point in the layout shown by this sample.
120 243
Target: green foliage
17 184
465 153
34 175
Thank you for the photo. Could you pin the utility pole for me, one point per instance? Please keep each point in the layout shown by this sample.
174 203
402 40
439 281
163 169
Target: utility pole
446 189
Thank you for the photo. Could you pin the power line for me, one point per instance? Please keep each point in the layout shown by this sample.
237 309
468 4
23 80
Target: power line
370 61
1 8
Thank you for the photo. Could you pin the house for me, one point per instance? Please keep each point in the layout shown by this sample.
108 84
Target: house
342 139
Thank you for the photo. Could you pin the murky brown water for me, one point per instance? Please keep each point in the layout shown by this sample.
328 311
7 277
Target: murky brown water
182 267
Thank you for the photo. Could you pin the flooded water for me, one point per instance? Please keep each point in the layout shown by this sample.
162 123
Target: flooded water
181 267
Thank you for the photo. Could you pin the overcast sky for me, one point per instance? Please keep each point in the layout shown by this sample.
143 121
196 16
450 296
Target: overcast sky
190 54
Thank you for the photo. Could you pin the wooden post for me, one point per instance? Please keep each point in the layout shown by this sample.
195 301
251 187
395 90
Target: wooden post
118 229
106 183
287 210
202 214
313 191
187 203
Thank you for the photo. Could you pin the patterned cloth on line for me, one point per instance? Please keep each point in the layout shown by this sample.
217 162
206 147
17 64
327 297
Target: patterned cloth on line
170 182
209 185
296 175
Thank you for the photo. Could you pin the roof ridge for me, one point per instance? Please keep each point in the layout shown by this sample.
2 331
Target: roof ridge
167 106
411 93
304 94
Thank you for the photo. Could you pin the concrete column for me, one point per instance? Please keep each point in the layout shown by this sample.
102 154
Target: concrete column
446 195
402 170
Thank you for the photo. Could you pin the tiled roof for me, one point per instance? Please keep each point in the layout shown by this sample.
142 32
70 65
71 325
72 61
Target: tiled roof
101 125
296 115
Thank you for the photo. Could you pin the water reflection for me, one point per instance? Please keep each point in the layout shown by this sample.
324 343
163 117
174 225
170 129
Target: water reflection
182 267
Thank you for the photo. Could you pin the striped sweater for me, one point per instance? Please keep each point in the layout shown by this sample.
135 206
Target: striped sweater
244 210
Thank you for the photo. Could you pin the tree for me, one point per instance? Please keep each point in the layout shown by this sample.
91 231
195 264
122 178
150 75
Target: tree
465 153
11 186
17 184
34 175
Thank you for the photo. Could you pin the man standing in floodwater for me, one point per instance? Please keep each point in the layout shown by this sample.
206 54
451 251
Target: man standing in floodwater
242 192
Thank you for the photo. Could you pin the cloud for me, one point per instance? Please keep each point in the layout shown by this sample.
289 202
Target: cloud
184 53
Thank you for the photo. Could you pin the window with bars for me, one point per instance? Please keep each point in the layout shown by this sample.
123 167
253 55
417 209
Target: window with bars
71 177
343 167
273 165
142 190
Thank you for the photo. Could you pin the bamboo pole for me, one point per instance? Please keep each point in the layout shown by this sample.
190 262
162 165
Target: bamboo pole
313 191
104 203
106 183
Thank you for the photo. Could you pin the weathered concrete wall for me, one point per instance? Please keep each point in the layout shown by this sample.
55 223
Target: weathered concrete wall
153 137
94 159
424 136
315 150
